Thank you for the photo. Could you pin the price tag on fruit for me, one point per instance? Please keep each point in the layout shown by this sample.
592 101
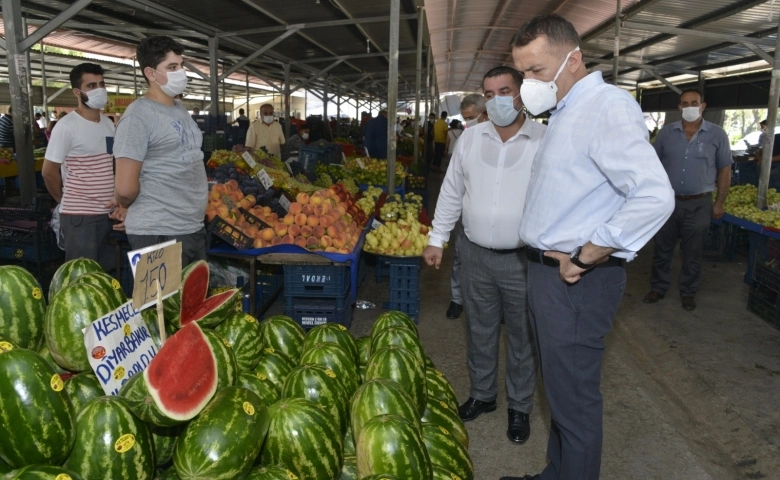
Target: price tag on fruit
375 224
361 164
159 267
265 179
119 345
285 202
289 168
249 159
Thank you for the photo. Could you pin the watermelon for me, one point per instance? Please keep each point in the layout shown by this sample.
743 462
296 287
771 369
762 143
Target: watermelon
320 385
438 413
391 445
107 284
335 358
332 333
381 476
164 439
111 442
274 366
381 397
36 415
274 472
440 388
4 467
149 316
73 309
441 473
42 472
283 335
428 362
392 319
364 349
401 337
303 438
227 367
22 308
349 443
349 469
169 474
446 451
242 332
401 366
69 272
179 381
195 306
362 373
82 388
263 388
46 354
223 442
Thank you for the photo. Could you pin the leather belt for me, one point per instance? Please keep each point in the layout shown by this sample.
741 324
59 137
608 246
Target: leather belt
511 250
685 198
537 256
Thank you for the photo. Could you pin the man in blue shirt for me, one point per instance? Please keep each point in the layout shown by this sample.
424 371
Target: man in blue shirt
375 136
697 157
598 194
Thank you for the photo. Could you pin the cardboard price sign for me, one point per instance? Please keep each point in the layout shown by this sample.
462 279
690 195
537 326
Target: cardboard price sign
119 346
249 159
361 164
375 224
265 179
285 202
161 266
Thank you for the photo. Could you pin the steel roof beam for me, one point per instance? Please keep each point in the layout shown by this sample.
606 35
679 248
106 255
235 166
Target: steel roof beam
196 70
640 66
302 26
259 52
661 79
762 54
319 74
629 12
112 28
498 14
651 27
349 57
263 78
53 24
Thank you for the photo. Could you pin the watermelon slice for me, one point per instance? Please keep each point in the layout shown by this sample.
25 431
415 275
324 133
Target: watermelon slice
195 306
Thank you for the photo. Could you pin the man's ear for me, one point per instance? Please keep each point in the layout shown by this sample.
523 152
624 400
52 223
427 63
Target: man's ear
703 106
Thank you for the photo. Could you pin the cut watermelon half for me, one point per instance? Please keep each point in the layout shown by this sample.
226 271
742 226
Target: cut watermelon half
195 306
183 377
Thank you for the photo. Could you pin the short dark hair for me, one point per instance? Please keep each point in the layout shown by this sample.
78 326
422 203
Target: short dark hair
454 124
153 50
762 123
693 90
240 111
304 126
266 105
504 70
559 32
38 114
443 114
82 68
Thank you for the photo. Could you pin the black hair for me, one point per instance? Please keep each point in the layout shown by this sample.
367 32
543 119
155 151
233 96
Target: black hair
504 70
304 126
443 114
560 32
762 123
454 124
79 70
240 111
153 50
693 90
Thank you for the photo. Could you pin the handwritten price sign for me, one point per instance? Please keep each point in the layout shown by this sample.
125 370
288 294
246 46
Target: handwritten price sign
157 271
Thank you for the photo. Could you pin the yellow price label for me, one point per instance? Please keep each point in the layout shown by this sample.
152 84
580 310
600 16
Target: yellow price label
444 430
127 330
341 327
6 346
262 377
226 343
249 318
115 284
291 475
56 383
249 408
119 373
37 293
63 476
330 373
270 350
124 443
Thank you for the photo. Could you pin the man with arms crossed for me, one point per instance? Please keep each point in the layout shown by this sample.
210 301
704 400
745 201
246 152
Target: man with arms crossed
486 184
598 194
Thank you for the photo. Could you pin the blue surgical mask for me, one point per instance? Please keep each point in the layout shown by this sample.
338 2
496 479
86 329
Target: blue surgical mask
501 110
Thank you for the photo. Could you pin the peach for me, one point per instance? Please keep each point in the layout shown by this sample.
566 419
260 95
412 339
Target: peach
289 219
294 230
302 198
312 243
276 241
326 221
296 208
331 250
308 210
341 209
318 211
333 231
316 199
338 242
280 229
300 241
326 241
258 243
272 218
345 237
306 231
326 208
267 210
318 231
312 221
344 251
300 219
267 234
288 240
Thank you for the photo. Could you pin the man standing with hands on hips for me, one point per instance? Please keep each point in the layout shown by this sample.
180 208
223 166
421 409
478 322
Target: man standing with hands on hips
697 157
597 195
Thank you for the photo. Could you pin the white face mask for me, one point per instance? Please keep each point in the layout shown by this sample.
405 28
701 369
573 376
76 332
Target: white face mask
502 111
96 99
473 121
177 82
305 136
539 96
690 114
268 119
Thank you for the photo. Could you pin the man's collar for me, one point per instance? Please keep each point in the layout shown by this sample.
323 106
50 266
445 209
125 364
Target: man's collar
703 126
524 130
589 81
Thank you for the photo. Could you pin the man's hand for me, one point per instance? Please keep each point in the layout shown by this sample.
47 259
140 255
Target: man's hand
118 213
569 272
432 256
718 211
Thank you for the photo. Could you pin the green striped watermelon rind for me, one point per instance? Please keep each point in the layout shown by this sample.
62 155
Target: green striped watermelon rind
164 439
349 468
41 472
400 337
440 388
284 335
111 442
390 444
83 388
334 357
224 440
274 366
69 271
22 308
364 349
438 413
318 452
227 366
107 284
349 443
441 473
271 472
400 365
263 388
380 476
332 333
242 332
381 397
390 319
322 387
446 451
37 421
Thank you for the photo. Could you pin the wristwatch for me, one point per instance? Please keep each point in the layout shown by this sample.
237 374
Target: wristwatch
575 259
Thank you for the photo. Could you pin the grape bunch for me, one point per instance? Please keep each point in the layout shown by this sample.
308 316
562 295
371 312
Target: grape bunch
248 185
296 168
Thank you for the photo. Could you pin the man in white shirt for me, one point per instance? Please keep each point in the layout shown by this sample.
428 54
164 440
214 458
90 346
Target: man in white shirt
486 183
266 132
597 195
79 170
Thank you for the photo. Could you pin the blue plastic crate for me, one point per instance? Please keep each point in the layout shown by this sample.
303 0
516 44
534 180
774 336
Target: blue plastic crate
384 263
267 286
316 280
404 285
310 312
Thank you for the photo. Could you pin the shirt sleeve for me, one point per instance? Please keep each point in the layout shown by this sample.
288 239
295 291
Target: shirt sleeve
281 135
724 151
59 144
250 136
132 138
622 152
450 203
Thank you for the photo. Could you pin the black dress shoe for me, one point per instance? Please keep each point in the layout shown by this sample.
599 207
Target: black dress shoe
688 303
472 408
454 310
519 427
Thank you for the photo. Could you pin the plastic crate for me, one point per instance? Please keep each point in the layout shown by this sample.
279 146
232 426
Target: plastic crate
312 155
721 242
404 285
316 280
267 286
764 302
310 312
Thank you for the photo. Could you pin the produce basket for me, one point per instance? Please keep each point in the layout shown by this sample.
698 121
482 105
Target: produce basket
310 312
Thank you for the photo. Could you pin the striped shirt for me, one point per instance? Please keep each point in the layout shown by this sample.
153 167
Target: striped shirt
84 148
7 139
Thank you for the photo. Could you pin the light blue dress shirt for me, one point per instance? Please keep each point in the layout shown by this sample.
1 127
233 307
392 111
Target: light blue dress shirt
596 178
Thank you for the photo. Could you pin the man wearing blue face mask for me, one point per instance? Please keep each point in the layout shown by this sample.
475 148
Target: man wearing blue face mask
160 174
486 183
598 194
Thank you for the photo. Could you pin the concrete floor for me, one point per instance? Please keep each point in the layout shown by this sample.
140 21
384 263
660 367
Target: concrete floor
688 395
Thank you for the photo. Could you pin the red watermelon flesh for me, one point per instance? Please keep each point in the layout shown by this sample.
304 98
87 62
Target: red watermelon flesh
195 307
182 377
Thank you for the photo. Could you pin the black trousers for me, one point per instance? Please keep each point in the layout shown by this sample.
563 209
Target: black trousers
438 154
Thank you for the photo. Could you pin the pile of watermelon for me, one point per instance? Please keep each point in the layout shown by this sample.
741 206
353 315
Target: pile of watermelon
226 396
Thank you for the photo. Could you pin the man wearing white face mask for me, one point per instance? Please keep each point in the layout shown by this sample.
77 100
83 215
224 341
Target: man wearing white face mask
160 174
266 132
79 170
598 194
486 183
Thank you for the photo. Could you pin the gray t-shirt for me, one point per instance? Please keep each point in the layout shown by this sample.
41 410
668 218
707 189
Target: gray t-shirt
174 190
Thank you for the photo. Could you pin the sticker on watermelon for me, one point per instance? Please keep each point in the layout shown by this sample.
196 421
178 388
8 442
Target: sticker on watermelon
196 306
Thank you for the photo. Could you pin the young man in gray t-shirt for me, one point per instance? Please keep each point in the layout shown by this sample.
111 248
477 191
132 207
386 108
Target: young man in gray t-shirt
160 176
